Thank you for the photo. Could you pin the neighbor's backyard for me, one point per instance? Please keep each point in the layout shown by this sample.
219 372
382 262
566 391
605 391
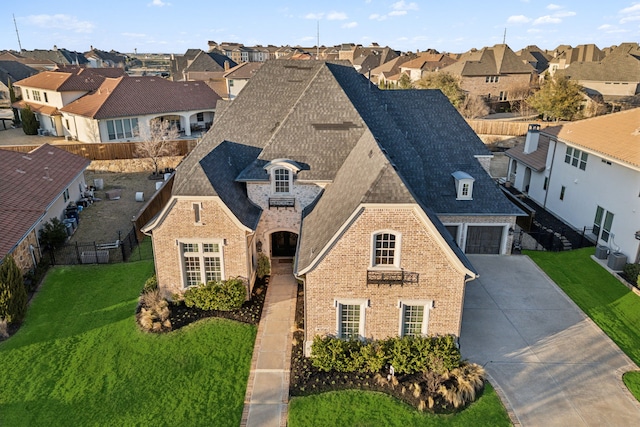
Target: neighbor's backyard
79 359
610 304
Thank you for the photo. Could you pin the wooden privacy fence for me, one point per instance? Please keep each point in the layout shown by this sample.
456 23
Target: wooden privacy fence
496 127
109 151
152 207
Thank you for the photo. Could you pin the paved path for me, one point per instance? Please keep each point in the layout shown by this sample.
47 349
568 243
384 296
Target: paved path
267 397
554 366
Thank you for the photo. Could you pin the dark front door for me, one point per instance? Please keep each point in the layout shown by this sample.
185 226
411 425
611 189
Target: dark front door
483 239
283 244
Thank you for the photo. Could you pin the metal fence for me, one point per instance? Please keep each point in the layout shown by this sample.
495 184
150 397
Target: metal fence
123 249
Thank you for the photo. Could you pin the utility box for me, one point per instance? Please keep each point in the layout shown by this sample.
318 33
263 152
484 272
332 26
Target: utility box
617 261
602 252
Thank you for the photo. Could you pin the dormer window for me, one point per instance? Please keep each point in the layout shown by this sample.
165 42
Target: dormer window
281 173
281 180
464 185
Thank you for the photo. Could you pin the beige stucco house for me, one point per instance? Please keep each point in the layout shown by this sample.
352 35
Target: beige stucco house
375 195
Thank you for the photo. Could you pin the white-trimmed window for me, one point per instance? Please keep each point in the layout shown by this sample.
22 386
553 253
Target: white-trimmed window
602 229
414 317
197 218
36 95
201 262
576 158
464 185
281 181
122 128
350 316
386 249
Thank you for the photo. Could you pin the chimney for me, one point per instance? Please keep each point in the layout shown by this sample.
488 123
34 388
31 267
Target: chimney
533 135
55 48
226 65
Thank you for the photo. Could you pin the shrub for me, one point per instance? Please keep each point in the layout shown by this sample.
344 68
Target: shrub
464 382
408 355
632 272
151 284
226 295
29 123
154 312
264 268
53 234
13 295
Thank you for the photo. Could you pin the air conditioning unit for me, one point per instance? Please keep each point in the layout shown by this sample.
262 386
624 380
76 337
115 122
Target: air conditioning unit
602 252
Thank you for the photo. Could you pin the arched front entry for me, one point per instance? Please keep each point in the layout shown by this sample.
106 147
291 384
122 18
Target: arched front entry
283 244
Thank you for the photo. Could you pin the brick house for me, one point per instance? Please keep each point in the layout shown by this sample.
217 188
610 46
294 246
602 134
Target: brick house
34 188
495 73
376 195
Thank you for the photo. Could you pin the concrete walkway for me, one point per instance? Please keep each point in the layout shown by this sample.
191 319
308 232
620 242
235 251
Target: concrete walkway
267 397
549 362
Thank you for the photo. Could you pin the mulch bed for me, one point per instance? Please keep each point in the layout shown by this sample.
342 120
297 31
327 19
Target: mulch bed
305 379
250 312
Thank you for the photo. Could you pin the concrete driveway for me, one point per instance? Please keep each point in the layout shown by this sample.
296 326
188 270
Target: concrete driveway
554 366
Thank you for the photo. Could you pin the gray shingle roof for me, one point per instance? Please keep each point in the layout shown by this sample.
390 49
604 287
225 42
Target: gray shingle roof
374 146
621 65
489 61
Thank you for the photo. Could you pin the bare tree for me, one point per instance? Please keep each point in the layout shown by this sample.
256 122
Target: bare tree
518 93
473 106
157 142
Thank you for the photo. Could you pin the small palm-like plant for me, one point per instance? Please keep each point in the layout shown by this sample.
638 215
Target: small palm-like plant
154 311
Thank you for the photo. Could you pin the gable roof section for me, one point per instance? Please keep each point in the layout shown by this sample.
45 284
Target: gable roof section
536 160
132 96
243 71
621 65
496 60
46 172
14 71
614 136
70 79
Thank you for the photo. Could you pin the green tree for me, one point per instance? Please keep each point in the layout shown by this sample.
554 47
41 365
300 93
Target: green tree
558 98
53 234
29 123
404 82
12 96
446 82
13 295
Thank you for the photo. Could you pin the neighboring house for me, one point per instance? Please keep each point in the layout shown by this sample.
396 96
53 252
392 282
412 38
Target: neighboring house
377 195
365 59
239 76
121 109
59 56
564 56
586 173
615 77
425 63
100 59
535 57
389 68
38 64
34 188
47 92
197 65
495 73
12 71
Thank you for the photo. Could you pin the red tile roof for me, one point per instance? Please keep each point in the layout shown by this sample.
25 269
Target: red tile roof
70 79
47 110
29 183
134 96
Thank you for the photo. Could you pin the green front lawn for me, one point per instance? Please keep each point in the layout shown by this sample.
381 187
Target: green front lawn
79 359
610 304
361 408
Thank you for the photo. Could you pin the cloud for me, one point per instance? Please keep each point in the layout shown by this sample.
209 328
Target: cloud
158 3
518 19
336 16
402 5
377 17
314 16
632 12
397 12
350 25
564 14
632 9
553 6
630 19
547 19
68 22
611 29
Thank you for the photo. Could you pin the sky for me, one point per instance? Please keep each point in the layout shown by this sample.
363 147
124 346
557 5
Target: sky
173 26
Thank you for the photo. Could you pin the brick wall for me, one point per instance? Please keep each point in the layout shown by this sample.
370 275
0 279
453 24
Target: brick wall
342 274
480 87
280 219
179 224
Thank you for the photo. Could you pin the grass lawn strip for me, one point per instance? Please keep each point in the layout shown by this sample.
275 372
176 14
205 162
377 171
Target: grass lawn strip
611 305
79 359
361 408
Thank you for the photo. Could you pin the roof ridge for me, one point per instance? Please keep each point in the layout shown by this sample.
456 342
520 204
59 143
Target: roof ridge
109 93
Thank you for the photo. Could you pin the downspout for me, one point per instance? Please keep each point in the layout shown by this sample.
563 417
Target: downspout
553 157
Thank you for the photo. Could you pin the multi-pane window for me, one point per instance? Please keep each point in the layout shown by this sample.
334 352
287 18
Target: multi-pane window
576 158
465 189
202 263
200 117
36 95
597 222
503 96
385 249
606 227
122 128
349 321
491 79
281 180
412 320
602 229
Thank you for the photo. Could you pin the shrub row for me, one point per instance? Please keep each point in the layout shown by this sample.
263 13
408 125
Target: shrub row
226 295
632 272
407 355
